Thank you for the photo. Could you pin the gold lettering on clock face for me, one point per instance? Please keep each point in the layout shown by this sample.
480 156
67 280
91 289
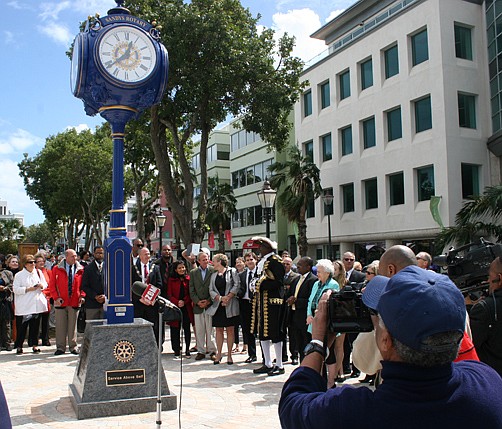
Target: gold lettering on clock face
127 54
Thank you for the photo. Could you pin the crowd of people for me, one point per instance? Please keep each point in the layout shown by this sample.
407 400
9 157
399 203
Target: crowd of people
265 296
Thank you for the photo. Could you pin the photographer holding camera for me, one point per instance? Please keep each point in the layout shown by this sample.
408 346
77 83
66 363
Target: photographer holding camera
419 322
486 320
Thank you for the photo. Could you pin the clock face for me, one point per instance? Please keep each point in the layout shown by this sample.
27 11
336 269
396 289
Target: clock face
127 54
76 64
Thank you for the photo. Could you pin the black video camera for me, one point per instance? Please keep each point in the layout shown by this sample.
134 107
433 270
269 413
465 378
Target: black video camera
468 265
347 312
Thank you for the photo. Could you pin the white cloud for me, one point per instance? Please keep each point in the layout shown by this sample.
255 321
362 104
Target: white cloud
8 37
51 11
17 5
334 14
15 194
90 7
300 23
18 141
78 128
57 32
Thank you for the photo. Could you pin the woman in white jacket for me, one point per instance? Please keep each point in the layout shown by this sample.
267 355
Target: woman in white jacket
29 302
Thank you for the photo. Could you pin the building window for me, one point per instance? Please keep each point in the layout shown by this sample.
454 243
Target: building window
344 83
391 59
396 189
348 197
470 180
366 74
394 126
325 96
307 104
463 42
328 208
308 150
425 182
369 133
346 137
310 207
371 193
423 114
466 111
327 152
419 48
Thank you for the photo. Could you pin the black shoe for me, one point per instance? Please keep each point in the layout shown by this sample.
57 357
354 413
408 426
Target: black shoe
276 371
46 343
368 378
355 374
58 352
264 369
8 348
250 359
294 361
188 354
347 370
74 352
339 379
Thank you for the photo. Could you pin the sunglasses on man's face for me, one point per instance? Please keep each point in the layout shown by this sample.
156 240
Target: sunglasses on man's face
30 262
139 245
348 259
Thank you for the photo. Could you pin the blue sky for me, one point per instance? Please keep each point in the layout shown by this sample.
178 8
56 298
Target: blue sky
36 101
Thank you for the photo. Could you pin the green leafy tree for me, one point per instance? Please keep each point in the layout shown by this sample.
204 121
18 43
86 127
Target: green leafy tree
221 64
221 205
9 228
41 233
480 216
298 181
70 180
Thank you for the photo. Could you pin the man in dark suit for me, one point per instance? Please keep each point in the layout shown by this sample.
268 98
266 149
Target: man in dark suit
353 276
164 264
92 285
245 304
297 301
148 273
289 277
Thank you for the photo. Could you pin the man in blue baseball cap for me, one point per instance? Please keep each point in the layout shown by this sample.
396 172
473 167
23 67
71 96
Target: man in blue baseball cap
419 318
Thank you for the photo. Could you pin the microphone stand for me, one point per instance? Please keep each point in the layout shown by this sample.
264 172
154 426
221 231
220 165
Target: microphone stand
159 366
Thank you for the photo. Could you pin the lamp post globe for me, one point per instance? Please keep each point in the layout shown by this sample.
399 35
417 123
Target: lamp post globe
266 196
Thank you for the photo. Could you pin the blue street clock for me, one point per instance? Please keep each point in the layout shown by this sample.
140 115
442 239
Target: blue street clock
119 69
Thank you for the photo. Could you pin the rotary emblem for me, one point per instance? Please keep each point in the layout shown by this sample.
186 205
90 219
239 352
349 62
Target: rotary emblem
124 351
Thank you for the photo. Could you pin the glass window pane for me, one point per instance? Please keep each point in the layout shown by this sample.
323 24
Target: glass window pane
242 178
466 111
235 141
258 215
419 48
371 193
308 150
425 182
258 172
267 164
326 147
235 179
394 126
344 82
346 135
391 62
423 114
307 103
367 74
311 207
250 175
396 189
470 180
325 95
369 133
463 42
348 197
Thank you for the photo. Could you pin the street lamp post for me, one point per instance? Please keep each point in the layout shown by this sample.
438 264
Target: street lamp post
328 201
266 196
161 221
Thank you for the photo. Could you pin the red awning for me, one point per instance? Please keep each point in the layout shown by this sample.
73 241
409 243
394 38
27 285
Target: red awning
250 244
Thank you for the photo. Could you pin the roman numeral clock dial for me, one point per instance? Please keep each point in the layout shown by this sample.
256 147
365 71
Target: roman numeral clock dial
126 54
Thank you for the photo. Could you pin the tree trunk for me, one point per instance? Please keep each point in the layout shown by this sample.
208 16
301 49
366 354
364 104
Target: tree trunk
302 236
221 238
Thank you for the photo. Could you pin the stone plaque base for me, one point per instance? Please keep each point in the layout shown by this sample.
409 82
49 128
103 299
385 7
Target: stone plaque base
117 371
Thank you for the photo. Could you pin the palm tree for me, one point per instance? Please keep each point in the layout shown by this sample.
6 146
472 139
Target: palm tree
480 216
220 208
9 228
298 180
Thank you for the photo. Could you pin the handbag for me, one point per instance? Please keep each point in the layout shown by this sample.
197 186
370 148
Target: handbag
81 320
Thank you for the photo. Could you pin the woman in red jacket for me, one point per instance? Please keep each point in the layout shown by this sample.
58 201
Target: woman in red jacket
178 293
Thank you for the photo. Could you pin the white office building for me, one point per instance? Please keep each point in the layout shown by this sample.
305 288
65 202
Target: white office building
398 110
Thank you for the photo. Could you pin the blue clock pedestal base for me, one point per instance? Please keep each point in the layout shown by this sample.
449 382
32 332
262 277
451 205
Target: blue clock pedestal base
117 371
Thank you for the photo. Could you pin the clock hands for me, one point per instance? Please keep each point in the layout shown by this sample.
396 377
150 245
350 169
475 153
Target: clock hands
124 56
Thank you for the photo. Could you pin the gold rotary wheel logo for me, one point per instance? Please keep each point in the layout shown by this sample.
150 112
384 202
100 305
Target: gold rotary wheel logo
124 351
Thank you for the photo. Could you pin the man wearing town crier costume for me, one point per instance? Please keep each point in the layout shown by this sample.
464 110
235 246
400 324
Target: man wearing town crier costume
269 306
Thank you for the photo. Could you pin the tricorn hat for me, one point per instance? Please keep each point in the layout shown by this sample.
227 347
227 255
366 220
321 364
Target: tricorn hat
265 241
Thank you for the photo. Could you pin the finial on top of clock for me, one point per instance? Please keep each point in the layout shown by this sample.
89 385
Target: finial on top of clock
119 9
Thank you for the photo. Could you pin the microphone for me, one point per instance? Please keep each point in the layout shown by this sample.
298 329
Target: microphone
151 294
